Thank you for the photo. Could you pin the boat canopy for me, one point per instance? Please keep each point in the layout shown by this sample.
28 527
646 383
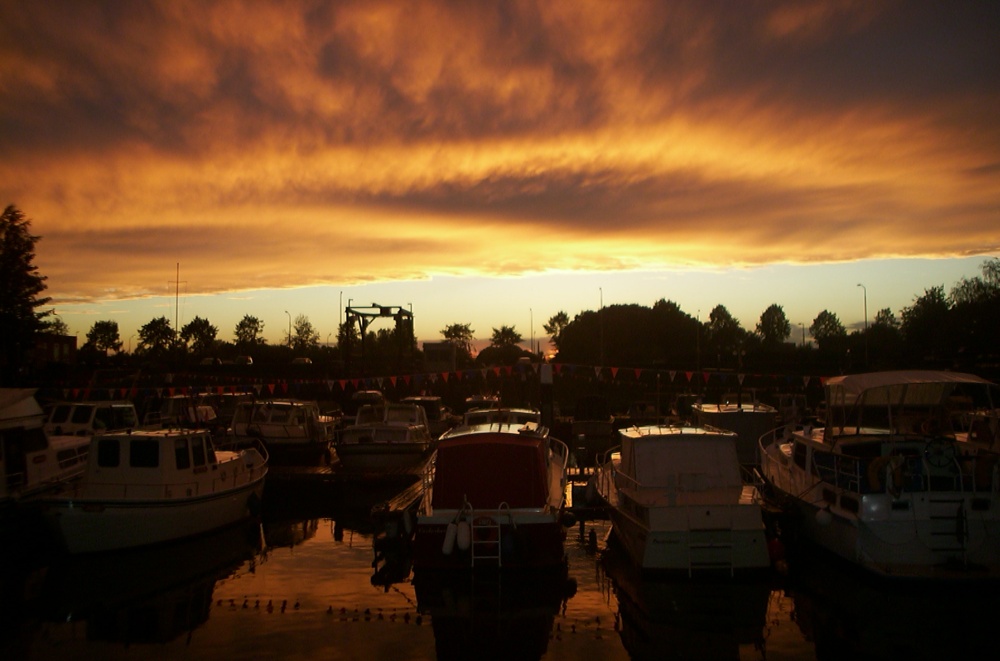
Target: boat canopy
904 401
687 462
486 470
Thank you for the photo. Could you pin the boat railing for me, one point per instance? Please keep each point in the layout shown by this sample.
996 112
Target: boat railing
937 467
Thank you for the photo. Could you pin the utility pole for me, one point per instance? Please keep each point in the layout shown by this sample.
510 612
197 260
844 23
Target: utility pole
177 297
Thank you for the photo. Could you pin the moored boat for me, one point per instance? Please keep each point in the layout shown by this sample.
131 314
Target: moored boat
748 419
493 498
892 481
678 501
294 431
385 439
32 460
149 487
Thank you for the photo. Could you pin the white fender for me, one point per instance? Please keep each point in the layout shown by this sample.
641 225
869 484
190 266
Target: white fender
449 539
464 535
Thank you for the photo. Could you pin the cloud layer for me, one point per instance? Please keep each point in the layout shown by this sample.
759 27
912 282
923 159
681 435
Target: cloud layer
281 144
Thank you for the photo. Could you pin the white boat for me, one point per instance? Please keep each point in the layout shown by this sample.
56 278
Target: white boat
893 481
294 431
86 418
439 417
493 497
385 439
506 416
150 487
31 460
748 419
678 501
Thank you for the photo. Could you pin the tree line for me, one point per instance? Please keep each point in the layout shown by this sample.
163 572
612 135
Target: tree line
957 329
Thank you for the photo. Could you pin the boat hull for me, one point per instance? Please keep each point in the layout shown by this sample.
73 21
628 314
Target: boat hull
534 541
94 525
381 457
724 538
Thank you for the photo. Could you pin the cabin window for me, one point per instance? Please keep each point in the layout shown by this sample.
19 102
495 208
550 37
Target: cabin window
144 454
182 456
60 414
799 455
108 453
81 414
198 451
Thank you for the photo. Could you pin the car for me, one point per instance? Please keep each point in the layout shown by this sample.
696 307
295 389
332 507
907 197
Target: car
244 360
302 360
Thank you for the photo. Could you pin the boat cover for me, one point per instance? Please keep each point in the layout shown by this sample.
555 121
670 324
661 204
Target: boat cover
489 469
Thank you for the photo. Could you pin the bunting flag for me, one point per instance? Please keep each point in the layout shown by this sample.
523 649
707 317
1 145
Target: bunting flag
740 377
638 373
614 372
597 372
444 376
689 375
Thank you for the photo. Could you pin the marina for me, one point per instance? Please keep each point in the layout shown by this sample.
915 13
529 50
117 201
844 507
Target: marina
299 582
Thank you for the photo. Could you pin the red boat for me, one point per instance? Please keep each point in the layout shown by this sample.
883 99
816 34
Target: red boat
493 497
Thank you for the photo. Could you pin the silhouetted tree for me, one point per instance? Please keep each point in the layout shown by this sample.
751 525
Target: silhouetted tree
103 337
55 325
725 334
199 335
926 329
555 326
505 336
975 311
156 339
828 332
461 335
773 327
304 336
248 332
20 289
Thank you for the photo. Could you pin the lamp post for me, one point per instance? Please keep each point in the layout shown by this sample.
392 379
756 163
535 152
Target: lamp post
600 322
289 329
531 324
803 327
865 290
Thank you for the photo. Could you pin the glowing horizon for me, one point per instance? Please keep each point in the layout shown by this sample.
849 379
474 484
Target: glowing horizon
273 149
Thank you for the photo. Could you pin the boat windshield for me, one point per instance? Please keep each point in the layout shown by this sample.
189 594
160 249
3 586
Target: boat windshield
923 408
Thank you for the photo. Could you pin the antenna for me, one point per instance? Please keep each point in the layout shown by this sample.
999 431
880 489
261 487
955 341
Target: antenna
177 296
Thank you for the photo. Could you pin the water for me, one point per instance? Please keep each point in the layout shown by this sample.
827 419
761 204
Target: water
299 585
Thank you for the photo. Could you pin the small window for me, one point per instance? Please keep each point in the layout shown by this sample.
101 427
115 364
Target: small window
144 453
108 453
182 455
60 414
81 414
198 451
799 455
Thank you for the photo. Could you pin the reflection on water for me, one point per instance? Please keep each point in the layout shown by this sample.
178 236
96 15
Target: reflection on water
301 583
681 618
849 614
498 616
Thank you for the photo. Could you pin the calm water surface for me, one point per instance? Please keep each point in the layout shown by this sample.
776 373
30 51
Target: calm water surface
299 585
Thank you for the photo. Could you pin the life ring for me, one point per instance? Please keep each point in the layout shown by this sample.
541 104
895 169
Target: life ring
485 529
877 468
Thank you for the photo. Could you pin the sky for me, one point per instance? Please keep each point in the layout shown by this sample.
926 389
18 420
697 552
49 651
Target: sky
495 163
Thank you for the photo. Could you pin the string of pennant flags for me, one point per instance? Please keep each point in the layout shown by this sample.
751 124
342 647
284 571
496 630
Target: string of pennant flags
274 387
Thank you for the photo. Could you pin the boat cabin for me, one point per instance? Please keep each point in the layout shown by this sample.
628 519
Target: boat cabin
90 417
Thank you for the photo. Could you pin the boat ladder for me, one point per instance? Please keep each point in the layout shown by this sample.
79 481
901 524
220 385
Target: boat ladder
486 535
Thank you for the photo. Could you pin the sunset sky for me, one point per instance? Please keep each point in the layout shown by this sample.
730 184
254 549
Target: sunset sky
493 163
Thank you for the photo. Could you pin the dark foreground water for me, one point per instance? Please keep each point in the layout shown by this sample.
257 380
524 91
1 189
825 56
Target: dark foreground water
299 585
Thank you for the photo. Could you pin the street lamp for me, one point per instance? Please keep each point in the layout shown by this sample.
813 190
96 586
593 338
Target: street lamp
289 329
865 289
